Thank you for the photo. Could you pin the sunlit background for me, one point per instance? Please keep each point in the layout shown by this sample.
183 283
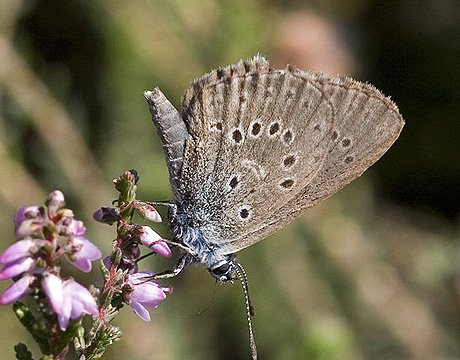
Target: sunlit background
373 273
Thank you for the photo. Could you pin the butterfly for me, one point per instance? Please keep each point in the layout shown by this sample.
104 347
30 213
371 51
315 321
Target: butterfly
253 147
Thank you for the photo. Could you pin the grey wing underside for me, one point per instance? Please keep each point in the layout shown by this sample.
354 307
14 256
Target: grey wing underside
326 132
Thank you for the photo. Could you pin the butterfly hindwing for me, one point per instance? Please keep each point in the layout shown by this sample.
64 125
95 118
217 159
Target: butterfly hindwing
366 124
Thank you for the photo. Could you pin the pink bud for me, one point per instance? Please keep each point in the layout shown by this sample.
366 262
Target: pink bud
154 241
55 201
148 212
28 220
18 250
17 290
16 268
161 248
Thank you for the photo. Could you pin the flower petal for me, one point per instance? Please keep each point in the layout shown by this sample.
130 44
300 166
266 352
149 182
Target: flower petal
106 215
88 252
148 236
64 315
16 268
149 212
140 310
149 294
17 290
18 250
76 228
84 299
54 291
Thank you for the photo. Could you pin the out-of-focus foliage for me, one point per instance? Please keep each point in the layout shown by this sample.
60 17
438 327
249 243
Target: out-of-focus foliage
370 274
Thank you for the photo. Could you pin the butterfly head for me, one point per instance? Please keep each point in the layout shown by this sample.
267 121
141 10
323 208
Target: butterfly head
224 269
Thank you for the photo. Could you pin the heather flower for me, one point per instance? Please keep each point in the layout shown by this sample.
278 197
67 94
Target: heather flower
17 290
141 294
28 220
77 301
88 252
76 228
48 234
84 250
68 299
154 241
18 257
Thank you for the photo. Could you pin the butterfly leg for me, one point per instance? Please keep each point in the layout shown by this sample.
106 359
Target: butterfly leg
172 206
168 203
183 262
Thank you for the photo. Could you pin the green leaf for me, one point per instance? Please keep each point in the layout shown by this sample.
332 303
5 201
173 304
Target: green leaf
66 337
105 335
36 328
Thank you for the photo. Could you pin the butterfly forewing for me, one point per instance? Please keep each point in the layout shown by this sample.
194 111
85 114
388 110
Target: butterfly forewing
265 144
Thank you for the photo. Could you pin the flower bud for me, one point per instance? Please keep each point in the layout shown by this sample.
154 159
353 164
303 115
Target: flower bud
17 290
54 202
148 212
106 215
28 220
154 241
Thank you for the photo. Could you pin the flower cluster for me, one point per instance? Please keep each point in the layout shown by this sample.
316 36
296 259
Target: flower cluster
136 288
46 235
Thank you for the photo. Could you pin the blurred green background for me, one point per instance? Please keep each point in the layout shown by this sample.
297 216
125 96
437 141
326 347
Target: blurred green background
373 273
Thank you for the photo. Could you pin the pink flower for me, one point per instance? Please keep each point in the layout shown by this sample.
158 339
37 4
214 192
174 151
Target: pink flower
78 301
17 290
68 299
86 250
154 241
76 228
144 294
28 220
17 258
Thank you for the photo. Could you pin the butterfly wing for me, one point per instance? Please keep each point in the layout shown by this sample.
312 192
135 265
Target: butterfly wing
266 144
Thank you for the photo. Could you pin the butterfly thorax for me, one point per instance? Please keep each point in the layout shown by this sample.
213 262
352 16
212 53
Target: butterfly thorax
187 228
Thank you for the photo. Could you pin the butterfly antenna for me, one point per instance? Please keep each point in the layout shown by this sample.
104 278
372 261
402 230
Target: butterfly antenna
249 308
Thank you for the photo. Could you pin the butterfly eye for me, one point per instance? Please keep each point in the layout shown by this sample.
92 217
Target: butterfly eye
224 271
221 270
